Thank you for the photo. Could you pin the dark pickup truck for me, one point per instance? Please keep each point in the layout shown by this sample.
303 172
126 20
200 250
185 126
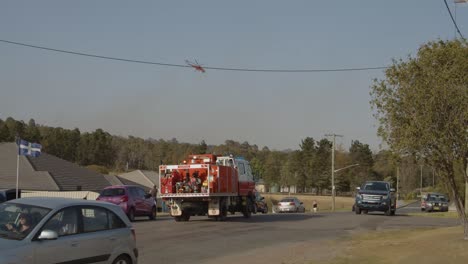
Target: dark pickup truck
375 196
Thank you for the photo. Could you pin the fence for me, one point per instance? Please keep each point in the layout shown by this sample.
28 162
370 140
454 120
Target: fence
88 195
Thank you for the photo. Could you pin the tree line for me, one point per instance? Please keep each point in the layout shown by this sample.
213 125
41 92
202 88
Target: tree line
308 168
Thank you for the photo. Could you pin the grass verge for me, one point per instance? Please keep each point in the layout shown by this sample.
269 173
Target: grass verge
441 245
436 214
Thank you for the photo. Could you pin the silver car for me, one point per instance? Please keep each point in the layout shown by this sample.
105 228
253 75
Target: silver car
58 230
290 204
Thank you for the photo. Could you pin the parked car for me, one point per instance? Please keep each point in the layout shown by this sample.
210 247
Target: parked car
290 204
8 194
260 204
434 202
60 230
132 199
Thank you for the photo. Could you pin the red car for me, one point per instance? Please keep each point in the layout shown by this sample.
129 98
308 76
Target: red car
133 200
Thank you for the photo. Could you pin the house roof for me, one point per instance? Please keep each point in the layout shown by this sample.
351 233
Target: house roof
29 178
56 174
113 179
141 177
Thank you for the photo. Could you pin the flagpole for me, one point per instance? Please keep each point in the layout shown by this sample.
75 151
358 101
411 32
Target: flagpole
17 171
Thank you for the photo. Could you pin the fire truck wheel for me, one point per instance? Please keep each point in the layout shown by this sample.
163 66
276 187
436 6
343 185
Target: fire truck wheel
185 216
223 214
247 212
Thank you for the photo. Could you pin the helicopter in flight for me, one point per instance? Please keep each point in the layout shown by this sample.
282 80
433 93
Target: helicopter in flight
196 66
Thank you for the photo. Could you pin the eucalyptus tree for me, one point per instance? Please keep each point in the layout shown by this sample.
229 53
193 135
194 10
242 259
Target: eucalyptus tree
422 107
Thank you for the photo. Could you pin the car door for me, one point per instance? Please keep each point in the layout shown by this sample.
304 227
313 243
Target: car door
138 200
72 245
149 200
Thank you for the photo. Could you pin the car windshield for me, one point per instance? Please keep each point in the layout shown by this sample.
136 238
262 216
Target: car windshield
113 192
288 200
436 199
18 220
375 186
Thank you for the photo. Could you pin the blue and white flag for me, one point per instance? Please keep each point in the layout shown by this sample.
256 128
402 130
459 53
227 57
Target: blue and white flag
29 149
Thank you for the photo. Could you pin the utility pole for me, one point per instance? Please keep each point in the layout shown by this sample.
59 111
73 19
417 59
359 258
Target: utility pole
420 190
398 183
333 169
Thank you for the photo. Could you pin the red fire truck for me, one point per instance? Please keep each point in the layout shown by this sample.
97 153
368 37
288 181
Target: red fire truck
207 184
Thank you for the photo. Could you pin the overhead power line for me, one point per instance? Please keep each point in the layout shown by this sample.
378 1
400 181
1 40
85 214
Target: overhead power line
453 20
190 66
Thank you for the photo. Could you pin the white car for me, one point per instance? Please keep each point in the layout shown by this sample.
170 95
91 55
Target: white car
290 204
58 230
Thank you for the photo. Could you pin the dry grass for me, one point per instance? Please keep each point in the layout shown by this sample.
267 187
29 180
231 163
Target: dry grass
441 245
324 202
436 214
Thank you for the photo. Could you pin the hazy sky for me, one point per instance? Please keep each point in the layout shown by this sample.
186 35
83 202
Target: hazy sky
277 110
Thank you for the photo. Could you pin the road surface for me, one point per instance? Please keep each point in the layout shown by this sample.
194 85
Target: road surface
270 238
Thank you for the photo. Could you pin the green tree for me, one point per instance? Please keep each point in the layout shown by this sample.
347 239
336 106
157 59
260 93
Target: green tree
16 128
422 107
307 156
31 132
322 164
361 154
4 132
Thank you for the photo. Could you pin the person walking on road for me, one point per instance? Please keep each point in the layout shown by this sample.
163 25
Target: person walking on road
314 206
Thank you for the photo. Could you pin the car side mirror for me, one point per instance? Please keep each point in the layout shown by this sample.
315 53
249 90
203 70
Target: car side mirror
48 235
392 189
263 198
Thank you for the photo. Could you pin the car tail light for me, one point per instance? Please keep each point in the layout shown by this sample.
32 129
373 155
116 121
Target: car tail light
133 234
291 203
124 199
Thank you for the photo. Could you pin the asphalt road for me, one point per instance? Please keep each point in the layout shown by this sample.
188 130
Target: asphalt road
202 240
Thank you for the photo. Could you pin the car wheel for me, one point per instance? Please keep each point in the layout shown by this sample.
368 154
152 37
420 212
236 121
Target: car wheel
357 210
152 216
365 211
265 210
122 260
131 215
389 211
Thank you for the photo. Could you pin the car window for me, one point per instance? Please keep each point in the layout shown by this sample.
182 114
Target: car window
64 222
287 200
375 186
141 192
241 168
113 192
98 219
18 220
